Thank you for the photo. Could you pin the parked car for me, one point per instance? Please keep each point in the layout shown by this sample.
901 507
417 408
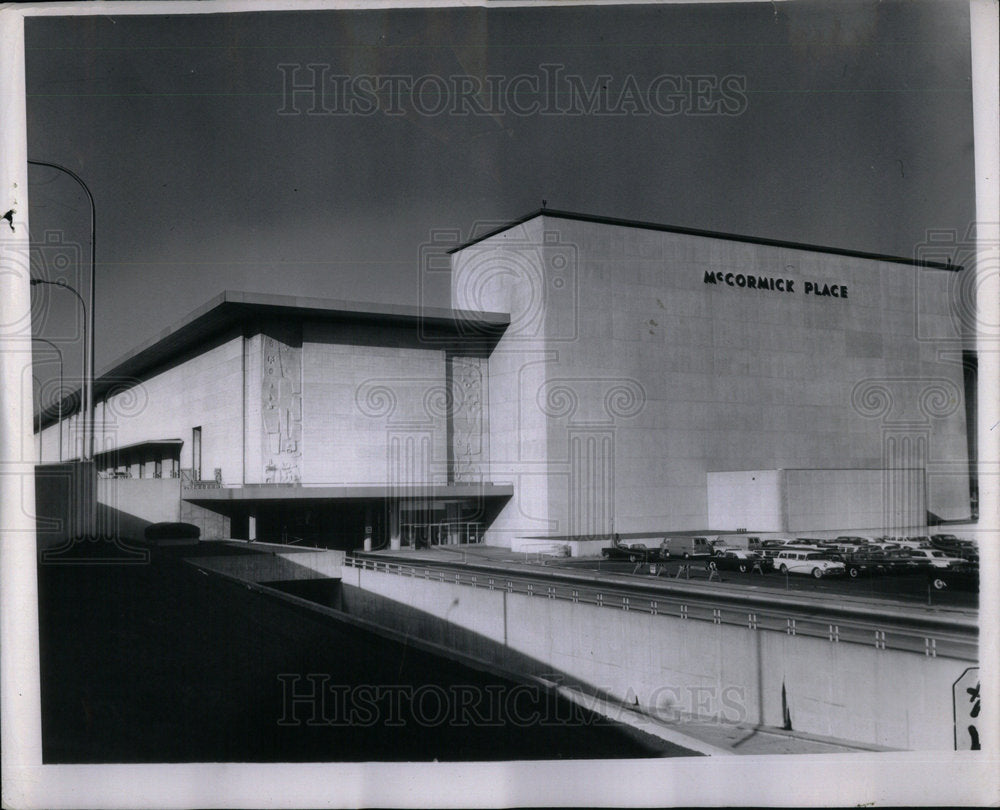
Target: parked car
808 562
903 542
778 543
956 546
968 551
814 542
684 546
857 563
937 559
740 560
631 551
899 561
943 539
747 542
854 539
772 551
960 577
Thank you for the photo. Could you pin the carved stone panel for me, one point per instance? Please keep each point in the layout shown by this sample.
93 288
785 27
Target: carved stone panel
468 439
281 411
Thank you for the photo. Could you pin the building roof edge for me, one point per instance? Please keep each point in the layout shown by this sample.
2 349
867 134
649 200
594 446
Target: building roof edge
654 226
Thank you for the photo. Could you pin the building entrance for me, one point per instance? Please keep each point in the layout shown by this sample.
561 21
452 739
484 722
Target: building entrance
441 533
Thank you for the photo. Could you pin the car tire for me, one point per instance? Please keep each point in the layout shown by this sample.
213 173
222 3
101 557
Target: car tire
854 572
817 573
784 569
939 584
743 568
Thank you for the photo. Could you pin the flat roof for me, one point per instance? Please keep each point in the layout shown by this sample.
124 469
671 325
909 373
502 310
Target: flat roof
232 307
346 492
146 444
653 226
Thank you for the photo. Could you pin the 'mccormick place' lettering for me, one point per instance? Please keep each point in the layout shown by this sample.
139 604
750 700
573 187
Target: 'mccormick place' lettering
752 282
836 290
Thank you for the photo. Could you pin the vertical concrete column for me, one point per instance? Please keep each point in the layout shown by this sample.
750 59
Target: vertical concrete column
454 512
252 528
20 701
394 528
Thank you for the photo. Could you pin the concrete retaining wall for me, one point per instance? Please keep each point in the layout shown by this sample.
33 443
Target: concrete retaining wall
126 506
674 666
62 492
264 566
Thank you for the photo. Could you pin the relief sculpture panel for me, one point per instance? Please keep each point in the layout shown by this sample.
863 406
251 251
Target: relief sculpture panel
281 409
468 443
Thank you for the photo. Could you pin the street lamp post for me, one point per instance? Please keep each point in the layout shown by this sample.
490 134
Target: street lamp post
63 285
58 403
88 449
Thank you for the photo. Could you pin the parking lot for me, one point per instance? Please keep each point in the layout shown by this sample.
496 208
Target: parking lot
906 588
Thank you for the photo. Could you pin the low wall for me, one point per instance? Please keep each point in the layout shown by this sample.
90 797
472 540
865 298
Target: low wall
674 665
275 566
62 495
126 506
213 525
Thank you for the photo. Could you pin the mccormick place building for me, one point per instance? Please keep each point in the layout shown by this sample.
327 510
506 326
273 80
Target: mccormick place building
595 376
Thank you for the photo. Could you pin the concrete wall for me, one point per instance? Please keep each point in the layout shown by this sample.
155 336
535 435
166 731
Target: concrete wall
213 525
507 274
748 499
201 389
374 406
271 566
127 506
625 378
676 666
880 501
61 495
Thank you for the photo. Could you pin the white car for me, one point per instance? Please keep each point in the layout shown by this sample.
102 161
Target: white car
937 559
912 542
808 562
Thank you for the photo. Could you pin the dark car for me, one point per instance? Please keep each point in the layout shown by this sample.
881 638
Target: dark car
956 547
899 561
740 560
858 564
634 553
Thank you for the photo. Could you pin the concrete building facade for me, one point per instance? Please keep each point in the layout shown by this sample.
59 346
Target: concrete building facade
594 376
643 364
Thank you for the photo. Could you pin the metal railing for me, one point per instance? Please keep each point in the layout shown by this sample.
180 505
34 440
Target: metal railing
881 633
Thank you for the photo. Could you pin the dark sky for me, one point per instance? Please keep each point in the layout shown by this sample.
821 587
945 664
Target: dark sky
854 130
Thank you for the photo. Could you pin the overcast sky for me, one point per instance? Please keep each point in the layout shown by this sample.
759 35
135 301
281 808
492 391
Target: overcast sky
840 124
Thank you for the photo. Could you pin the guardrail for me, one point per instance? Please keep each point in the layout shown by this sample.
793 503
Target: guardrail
883 633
